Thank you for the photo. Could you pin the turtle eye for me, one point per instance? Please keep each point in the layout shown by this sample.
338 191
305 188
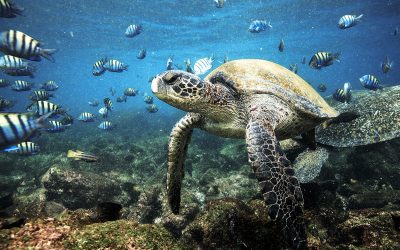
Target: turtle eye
171 78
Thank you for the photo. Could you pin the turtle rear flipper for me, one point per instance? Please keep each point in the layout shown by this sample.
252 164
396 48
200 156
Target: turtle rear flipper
280 188
177 148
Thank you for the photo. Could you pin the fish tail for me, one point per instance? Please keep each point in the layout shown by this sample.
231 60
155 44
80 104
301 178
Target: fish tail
42 121
72 154
359 17
336 56
47 53
269 24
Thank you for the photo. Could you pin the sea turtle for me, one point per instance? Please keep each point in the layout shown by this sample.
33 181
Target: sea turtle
253 99
378 121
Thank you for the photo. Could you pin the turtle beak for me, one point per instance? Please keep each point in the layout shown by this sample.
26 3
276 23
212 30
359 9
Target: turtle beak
158 86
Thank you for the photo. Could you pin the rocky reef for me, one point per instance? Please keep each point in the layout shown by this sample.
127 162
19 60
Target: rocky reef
48 201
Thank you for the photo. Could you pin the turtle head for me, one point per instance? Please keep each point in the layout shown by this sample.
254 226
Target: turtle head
179 89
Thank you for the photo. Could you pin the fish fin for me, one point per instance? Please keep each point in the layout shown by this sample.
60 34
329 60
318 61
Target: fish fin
269 24
35 58
359 17
42 121
10 149
47 53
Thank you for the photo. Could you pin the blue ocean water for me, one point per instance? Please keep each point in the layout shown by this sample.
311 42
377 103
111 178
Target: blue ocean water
85 31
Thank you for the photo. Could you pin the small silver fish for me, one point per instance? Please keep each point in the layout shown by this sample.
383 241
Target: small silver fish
203 65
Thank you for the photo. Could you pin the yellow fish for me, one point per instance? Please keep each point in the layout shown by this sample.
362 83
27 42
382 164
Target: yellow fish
82 156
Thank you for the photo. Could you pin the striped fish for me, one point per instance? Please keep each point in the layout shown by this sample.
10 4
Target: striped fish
323 59
258 26
103 112
45 107
201 66
148 99
98 67
370 82
115 66
152 108
343 95
23 148
8 61
86 117
4 83
40 95
133 30
20 85
16 43
49 86
5 104
93 103
121 98
9 9
130 92
16 127
106 125
56 126
108 103
19 72
82 156
348 21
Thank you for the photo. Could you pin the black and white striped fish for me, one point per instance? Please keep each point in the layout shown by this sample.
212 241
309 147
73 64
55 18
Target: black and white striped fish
115 66
98 67
16 127
23 148
348 21
56 126
8 9
86 117
45 107
121 98
323 59
130 92
148 99
106 125
201 66
40 95
370 82
108 103
5 104
20 85
4 83
19 72
133 30
18 44
7 62
49 86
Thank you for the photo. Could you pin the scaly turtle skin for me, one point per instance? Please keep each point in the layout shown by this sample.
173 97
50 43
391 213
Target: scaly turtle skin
252 99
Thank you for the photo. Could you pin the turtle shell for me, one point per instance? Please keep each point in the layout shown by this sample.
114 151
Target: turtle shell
247 76
379 119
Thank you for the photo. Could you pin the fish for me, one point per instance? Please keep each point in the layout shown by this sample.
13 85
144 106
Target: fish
17 43
386 65
323 59
3 82
130 92
5 104
98 67
112 91
115 66
106 125
281 46
202 65
370 82
108 103
258 26
82 156
23 148
188 66
93 103
396 31
170 64
57 126
322 87
67 120
133 30
219 3
49 86
17 127
44 107
86 117
9 10
148 99
141 54
20 85
294 68
103 112
226 59
303 61
348 21
15 66
152 108
40 95
121 98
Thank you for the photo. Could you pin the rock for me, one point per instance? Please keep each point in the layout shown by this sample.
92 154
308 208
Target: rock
231 224
148 206
77 189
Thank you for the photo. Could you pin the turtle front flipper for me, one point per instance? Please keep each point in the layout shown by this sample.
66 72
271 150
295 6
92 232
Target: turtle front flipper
280 188
177 148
